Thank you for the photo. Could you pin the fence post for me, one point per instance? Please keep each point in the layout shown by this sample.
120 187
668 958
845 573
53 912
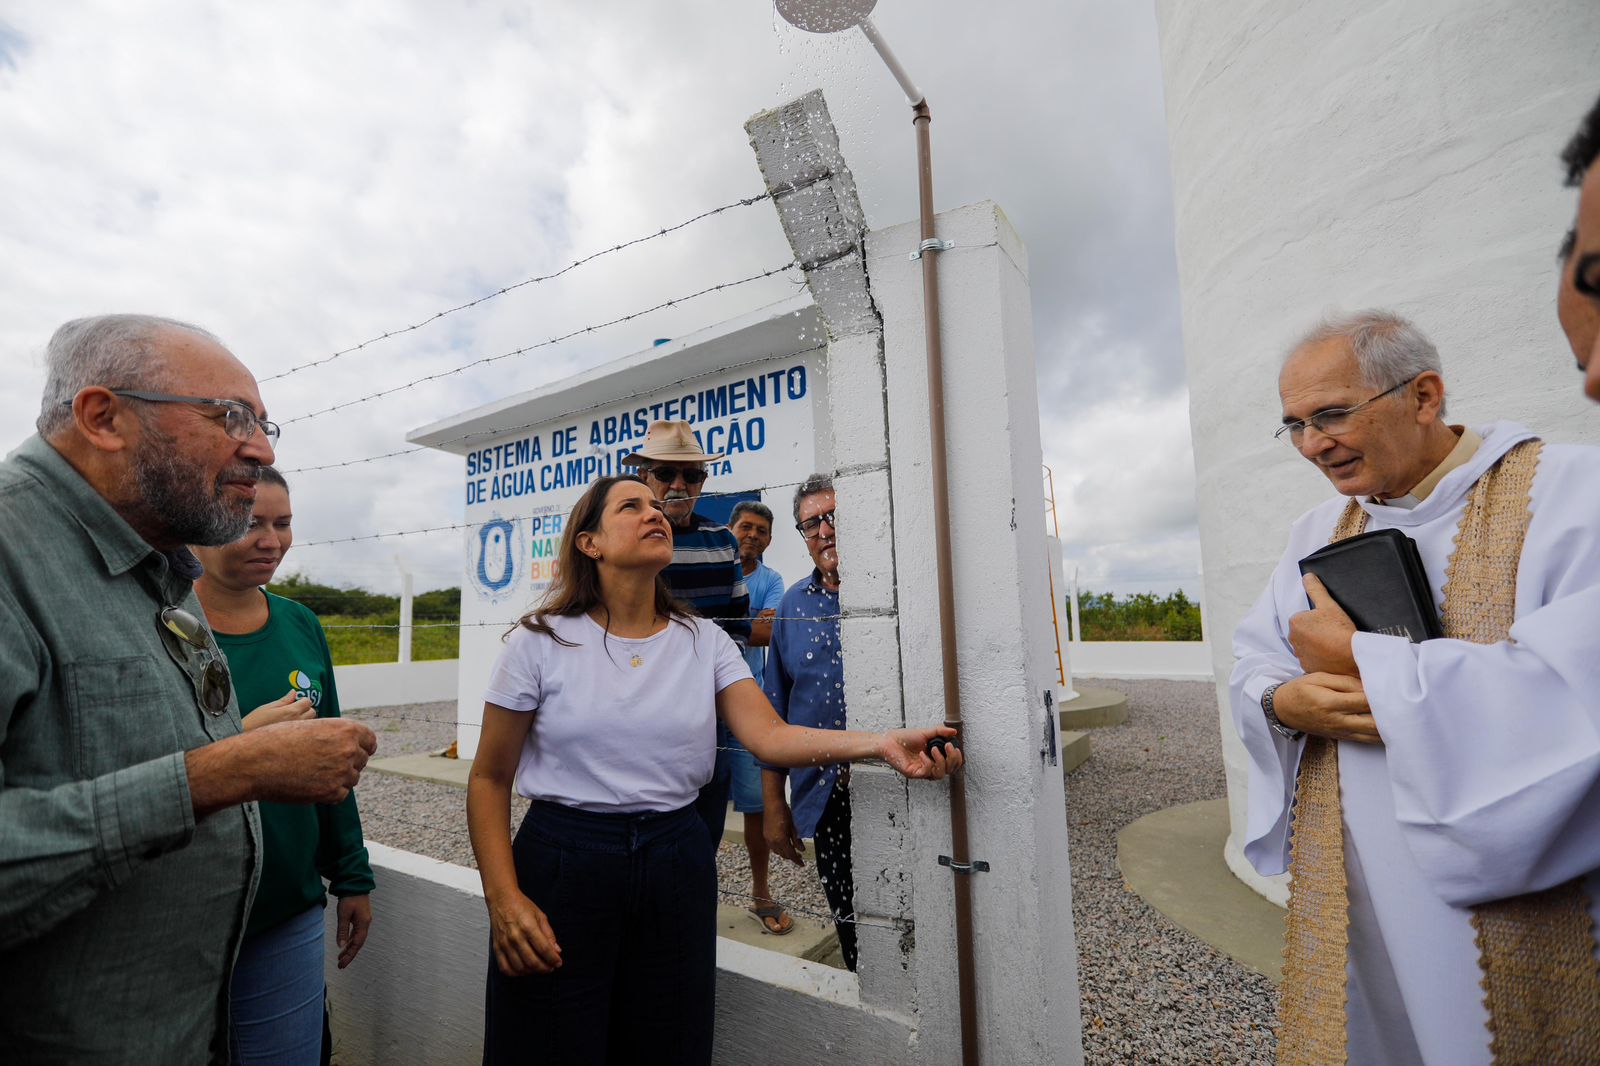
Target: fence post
405 609
1077 627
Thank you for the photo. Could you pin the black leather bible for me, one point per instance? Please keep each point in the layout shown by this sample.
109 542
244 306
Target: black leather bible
1378 579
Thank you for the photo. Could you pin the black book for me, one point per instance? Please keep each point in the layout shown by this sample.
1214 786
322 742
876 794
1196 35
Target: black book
1378 579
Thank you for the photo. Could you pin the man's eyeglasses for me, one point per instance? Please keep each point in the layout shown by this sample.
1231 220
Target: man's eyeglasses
692 475
197 657
811 528
239 422
1332 422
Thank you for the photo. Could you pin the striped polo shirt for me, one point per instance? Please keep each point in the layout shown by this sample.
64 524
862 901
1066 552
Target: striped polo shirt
707 575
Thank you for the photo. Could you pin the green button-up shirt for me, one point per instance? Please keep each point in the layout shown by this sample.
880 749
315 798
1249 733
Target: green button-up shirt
120 915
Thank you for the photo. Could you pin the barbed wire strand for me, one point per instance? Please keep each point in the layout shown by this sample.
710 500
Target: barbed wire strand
564 416
541 344
723 889
591 257
529 518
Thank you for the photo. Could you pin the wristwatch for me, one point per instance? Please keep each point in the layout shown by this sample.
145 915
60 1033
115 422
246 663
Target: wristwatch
1272 719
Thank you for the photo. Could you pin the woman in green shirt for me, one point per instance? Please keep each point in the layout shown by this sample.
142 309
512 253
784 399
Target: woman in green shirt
281 666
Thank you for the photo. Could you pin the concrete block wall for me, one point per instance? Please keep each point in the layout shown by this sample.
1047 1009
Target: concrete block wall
414 996
393 684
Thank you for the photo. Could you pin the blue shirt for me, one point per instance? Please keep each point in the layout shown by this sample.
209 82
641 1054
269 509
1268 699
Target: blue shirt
766 592
805 682
707 575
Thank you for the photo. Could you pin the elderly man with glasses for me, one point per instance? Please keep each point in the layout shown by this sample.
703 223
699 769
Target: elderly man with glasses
129 837
805 682
1433 801
705 573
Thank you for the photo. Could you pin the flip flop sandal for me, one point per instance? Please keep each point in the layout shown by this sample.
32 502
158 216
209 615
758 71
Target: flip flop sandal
775 914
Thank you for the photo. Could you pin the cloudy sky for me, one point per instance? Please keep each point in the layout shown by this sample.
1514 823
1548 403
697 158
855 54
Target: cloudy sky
300 177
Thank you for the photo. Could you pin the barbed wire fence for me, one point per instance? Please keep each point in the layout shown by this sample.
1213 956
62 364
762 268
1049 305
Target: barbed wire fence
456 831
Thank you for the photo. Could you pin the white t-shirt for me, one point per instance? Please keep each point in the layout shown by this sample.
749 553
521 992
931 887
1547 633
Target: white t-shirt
619 725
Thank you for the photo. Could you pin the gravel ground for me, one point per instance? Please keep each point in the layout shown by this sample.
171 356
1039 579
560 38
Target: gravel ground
1152 993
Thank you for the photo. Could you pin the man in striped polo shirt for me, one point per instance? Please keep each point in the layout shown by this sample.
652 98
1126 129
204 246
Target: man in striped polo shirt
705 573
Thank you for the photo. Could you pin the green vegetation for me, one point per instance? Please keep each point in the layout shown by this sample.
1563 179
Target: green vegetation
1142 616
354 607
351 646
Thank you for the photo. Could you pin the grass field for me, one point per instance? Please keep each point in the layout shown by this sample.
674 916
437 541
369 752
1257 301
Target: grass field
352 646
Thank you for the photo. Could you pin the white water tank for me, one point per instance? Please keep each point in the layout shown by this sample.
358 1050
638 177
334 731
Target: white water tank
1348 154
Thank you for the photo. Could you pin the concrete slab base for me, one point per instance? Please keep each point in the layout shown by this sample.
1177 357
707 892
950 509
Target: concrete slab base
811 940
1094 707
433 768
1074 749
1173 860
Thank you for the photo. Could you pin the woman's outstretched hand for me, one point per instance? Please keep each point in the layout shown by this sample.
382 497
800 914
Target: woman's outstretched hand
907 751
523 941
290 707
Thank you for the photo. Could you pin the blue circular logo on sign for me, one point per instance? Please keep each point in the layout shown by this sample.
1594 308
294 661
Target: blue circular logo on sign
497 559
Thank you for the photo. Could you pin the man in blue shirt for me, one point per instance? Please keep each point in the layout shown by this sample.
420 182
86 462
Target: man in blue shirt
805 682
751 524
705 572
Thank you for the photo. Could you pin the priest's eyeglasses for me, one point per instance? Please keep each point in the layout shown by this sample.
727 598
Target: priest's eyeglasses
197 657
1332 422
239 422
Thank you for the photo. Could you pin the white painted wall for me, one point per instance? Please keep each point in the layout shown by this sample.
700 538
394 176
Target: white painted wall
414 996
1134 660
393 684
1356 153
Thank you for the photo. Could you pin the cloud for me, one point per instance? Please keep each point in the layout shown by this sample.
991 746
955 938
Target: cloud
300 177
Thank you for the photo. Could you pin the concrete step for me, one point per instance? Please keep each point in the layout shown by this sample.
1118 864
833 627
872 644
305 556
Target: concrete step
1173 860
1093 708
810 939
1074 749
425 768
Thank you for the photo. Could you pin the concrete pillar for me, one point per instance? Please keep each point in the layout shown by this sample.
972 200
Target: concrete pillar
1025 954
1356 153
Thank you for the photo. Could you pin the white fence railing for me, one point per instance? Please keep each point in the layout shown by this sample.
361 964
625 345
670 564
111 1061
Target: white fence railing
1133 660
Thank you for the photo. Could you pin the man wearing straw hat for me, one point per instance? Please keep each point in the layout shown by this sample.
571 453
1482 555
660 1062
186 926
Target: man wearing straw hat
705 573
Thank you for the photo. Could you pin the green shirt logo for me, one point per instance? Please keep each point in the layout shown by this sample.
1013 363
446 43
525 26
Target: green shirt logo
306 687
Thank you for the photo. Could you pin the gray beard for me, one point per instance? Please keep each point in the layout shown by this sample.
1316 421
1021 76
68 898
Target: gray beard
174 493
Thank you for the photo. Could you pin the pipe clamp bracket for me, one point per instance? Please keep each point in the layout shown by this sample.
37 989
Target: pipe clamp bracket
976 866
932 244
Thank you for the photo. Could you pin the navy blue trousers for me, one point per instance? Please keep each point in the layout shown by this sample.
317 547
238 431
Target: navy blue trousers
632 899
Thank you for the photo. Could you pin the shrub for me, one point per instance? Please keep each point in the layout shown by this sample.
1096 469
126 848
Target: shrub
1141 616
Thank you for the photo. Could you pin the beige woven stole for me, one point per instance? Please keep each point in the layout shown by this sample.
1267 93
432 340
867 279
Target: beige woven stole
1541 982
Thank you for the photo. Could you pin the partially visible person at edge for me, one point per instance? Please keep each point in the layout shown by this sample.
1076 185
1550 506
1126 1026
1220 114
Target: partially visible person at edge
281 666
1578 300
1434 802
805 682
751 524
131 843
602 710
705 571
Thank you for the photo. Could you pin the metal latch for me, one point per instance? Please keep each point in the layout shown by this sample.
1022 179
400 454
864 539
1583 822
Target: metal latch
976 866
932 244
1047 750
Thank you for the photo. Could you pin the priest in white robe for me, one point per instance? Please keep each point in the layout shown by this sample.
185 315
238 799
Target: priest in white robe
1466 772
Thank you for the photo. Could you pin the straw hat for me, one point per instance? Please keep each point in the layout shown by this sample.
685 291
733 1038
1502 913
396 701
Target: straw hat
668 442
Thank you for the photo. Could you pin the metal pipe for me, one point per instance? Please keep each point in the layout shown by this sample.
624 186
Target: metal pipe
914 95
959 868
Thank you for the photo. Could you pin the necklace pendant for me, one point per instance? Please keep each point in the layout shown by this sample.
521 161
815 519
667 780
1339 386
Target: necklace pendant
636 662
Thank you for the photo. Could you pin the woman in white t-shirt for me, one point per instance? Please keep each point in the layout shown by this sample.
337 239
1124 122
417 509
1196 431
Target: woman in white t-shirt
602 710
